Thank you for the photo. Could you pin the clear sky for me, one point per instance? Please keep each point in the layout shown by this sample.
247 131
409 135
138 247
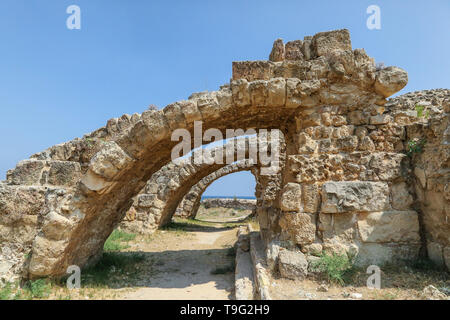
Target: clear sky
57 84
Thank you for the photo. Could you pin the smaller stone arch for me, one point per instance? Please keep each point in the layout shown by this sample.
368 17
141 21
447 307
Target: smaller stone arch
156 204
188 207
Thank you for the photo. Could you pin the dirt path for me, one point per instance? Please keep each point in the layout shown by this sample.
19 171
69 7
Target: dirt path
183 263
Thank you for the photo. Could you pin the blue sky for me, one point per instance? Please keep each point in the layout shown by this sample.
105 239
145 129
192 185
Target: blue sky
57 84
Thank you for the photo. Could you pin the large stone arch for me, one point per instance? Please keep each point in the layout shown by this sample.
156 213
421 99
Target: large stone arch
68 199
190 203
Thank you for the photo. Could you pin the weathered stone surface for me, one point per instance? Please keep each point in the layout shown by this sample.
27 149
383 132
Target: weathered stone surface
325 42
56 227
27 172
272 252
252 70
45 253
401 197
389 226
338 232
278 51
380 119
390 80
301 226
380 253
311 197
63 173
109 161
293 50
354 196
292 264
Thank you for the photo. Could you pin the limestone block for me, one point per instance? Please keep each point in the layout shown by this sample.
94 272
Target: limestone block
109 161
156 123
401 198
27 172
190 111
259 92
56 227
241 93
381 253
300 226
388 166
311 197
293 50
345 196
298 92
149 200
380 119
278 51
390 80
325 42
45 254
435 253
291 197
252 70
174 115
292 264
366 144
276 92
389 226
209 106
63 173
20 200
338 228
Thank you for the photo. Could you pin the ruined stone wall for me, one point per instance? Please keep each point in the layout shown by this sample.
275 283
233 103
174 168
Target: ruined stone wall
344 183
168 189
240 204
426 116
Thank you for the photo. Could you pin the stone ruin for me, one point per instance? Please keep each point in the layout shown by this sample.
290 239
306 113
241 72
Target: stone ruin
360 174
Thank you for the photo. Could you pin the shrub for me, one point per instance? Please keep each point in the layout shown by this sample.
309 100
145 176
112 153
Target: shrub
6 292
38 289
335 267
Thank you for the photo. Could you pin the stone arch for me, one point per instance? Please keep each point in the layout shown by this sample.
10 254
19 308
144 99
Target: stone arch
190 203
69 198
159 199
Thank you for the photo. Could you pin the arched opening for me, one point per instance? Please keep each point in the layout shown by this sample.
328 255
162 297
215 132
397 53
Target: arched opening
229 198
197 202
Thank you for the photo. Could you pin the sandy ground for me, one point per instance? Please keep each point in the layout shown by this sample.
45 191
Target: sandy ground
184 263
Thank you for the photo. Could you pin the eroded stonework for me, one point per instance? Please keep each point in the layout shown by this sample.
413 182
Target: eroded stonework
347 181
